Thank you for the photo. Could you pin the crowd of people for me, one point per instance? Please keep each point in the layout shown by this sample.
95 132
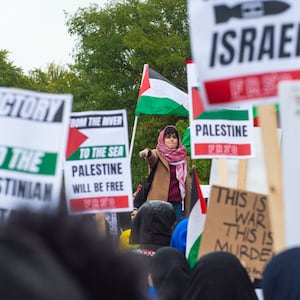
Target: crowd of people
63 257
58 256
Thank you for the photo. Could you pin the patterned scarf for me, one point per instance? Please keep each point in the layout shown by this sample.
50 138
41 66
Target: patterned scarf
176 157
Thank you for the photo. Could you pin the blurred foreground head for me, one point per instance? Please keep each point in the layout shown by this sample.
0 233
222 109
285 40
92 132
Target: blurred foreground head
29 270
218 276
170 273
91 260
281 276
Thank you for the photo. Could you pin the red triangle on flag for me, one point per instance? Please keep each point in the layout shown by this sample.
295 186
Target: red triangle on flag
200 194
145 81
198 107
75 140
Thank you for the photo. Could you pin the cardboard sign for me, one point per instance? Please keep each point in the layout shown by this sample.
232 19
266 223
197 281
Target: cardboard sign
250 47
97 170
33 135
238 222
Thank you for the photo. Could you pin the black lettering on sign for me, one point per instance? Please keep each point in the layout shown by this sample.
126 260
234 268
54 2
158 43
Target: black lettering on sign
251 44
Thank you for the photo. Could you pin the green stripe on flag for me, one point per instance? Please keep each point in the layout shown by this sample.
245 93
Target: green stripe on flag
225 114
148 105
194 252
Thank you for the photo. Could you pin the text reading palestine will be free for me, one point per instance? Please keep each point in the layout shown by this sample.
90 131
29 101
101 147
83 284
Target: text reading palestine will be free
25 106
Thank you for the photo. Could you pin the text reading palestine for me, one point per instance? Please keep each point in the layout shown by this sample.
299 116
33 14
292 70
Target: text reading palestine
221 130
34 108
97 169
250 44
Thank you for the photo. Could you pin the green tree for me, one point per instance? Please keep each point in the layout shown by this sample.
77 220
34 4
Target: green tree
56 79
10 75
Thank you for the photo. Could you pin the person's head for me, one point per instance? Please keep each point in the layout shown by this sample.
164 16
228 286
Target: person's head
93 260
178 238
218 276
153 224
171 137
170 273
281 276
169 144
30 270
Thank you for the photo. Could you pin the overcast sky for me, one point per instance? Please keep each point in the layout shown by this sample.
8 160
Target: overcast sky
34 31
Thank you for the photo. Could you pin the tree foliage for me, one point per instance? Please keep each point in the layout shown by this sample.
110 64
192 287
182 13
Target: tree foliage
56 79
10 75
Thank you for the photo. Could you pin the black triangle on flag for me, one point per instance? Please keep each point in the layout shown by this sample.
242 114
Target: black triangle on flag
196 193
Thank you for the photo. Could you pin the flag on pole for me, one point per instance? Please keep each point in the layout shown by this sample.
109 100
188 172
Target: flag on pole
196 221
159 96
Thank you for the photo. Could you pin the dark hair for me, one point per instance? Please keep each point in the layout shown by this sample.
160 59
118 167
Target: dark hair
91 259
171 130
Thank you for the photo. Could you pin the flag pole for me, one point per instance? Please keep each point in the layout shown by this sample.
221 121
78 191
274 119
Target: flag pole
133 136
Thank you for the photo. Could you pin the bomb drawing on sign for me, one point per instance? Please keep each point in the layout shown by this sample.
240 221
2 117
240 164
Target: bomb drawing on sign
249 10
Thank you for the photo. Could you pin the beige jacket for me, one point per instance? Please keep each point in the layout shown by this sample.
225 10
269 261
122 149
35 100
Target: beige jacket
160 185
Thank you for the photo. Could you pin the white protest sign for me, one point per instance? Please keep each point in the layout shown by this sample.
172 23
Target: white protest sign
222 133
226 132
97 170
242 49
290 121
33 136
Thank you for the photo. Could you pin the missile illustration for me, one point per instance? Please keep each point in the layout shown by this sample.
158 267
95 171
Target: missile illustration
249 10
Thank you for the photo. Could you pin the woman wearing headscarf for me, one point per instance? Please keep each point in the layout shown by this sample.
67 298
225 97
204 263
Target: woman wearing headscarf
281 276
219 276
171 180
170 273
152 230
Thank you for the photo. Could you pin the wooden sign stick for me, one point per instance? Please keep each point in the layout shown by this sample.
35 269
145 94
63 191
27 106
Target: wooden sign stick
242 174
268 122
223 172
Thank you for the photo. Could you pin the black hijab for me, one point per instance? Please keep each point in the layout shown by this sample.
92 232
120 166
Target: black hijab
219 276
281 276
153 224
170 273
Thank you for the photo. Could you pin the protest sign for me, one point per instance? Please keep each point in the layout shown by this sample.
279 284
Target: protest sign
97 169
250 47
238 222
32 149
289 93
226 132
222 133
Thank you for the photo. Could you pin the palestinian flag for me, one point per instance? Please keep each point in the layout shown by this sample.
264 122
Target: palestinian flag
196 221
158 96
